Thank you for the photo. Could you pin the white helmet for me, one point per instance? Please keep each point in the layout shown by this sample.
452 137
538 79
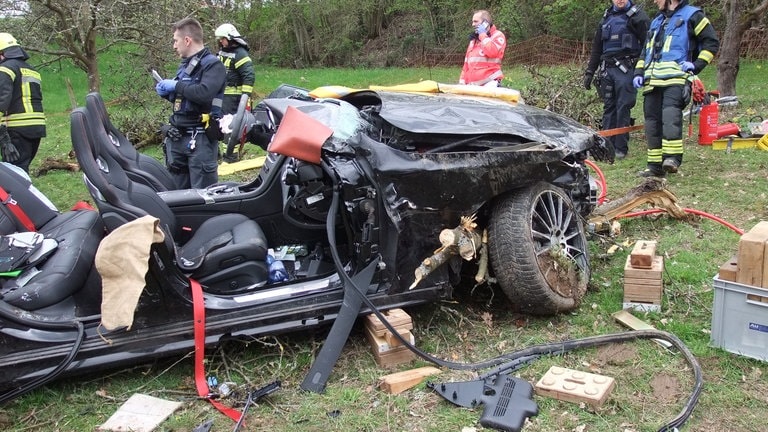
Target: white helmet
226 31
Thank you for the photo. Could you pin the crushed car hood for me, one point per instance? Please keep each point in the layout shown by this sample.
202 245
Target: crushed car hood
463 115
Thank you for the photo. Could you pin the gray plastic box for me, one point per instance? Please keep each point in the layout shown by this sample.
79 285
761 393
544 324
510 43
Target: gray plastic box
740 319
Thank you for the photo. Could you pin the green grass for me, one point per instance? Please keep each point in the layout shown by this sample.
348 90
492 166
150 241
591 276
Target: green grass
479 325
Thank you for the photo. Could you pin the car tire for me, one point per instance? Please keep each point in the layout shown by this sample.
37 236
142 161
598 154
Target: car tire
538 250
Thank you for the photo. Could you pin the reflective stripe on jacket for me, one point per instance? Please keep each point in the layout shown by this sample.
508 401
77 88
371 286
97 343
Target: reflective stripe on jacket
21 97
482 62
240 75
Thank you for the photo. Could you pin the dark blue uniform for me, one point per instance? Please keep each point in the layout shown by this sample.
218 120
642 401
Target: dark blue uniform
615 48
192 157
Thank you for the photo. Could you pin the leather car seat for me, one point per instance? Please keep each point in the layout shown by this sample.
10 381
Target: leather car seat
139 167
226 253
66 270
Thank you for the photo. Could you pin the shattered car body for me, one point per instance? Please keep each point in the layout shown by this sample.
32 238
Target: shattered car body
404 166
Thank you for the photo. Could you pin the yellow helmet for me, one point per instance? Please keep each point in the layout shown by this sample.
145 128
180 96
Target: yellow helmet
226 31
7 40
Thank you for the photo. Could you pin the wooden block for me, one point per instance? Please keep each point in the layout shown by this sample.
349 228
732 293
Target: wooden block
729 270
575 386
396 317
655 272
635 323
385 343
749 267
398 382
642 254
394 357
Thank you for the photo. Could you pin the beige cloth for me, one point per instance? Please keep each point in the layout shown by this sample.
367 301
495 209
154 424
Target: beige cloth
122 260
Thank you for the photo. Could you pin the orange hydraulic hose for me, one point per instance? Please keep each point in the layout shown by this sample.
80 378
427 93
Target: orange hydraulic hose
603 184
687 210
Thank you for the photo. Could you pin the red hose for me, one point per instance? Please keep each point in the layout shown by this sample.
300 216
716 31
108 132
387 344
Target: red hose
687 210
603 184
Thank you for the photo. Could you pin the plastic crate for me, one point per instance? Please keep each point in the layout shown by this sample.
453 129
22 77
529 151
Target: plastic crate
740 319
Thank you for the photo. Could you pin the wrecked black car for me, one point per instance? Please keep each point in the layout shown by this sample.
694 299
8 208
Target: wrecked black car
398 194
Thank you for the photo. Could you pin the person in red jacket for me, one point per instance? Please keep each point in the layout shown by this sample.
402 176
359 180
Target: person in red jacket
482 63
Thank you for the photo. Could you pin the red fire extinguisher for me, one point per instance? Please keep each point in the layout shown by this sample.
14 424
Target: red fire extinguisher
708 118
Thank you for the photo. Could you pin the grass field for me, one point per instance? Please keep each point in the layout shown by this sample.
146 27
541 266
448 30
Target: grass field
652 383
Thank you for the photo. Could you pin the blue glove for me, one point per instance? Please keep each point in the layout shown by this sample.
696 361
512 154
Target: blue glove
687 66
482 27
165 87
637 82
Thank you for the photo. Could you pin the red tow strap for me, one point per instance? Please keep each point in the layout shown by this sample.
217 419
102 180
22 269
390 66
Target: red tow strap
199 329
17 211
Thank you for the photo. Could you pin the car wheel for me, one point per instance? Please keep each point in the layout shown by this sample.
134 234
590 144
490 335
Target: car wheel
538 250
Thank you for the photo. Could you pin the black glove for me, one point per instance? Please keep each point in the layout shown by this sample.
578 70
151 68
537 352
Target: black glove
9 151
587 80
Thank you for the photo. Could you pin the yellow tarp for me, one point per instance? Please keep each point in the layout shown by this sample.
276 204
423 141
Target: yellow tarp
427 86
245 164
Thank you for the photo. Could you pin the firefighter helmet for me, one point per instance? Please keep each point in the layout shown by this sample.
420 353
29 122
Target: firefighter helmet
226 31
7 40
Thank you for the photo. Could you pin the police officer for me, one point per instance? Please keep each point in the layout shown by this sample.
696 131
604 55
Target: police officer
196 94
233 52
21 105
680 43
615 48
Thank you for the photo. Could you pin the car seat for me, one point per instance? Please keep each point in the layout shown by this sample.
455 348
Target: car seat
77 233
226 253
139 167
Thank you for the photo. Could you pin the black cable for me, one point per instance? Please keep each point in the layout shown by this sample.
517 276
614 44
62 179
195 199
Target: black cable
37 382
537 350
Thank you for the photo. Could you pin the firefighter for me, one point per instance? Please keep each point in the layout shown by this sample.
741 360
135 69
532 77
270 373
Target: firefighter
21 105
615 48
680 43
233 52
482 62
191 141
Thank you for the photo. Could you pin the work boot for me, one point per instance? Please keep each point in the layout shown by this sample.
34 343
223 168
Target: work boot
620 155
651 172
670 165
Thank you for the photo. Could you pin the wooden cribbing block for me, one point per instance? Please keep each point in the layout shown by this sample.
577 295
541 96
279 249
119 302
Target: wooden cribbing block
751 255
388 341
400 320
642 254
575 386
729 269
398 382
393 357
644 285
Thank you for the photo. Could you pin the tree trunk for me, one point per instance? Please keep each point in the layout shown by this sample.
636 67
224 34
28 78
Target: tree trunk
737 22
728 62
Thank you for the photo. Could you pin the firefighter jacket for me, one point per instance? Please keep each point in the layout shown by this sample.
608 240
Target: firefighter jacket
200 90
619 37
240 76
21 95
482 62
677 36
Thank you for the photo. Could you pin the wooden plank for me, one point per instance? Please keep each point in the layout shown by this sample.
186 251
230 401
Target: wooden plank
642 254
394 357
575 386
396 317
635 323
655 272
398 382
383 344
751 255
729 269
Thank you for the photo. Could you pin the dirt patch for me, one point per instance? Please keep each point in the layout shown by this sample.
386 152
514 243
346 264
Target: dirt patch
616 354
561 276
665 387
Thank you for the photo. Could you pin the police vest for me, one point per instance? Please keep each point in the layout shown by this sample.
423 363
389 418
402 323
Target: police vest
186 111
616 34
667 46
